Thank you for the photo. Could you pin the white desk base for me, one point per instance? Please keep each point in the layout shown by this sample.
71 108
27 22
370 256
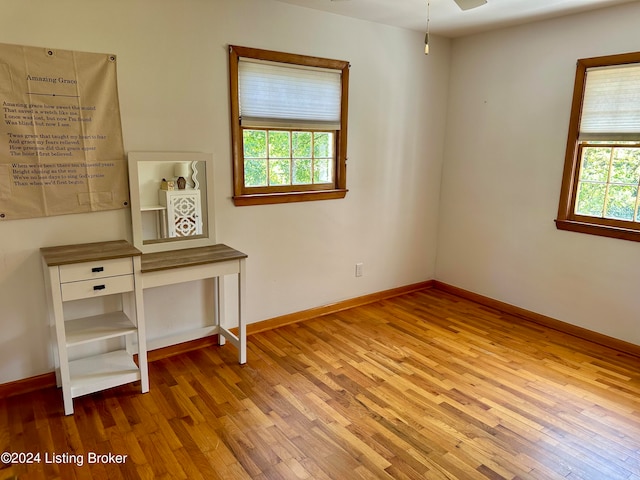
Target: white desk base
216 262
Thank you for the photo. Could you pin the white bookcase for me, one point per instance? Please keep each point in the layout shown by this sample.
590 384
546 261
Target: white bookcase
184 212
94 270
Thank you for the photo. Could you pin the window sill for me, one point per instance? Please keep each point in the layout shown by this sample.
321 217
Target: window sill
601 230
289 197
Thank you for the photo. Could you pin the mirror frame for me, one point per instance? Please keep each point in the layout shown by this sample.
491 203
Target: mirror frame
138 158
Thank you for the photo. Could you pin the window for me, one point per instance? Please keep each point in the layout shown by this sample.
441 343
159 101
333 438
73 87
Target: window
602 166
289 126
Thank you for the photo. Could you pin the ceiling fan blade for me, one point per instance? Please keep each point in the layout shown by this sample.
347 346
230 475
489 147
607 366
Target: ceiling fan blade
469 4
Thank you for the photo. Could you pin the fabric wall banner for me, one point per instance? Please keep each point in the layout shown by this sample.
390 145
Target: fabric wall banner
61 148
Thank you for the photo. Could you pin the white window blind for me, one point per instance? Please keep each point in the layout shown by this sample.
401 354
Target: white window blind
276 95
611 104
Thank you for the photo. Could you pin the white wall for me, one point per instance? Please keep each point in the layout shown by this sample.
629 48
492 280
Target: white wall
510 96
173 84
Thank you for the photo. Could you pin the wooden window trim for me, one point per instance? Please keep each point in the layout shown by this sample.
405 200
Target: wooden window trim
567 219
242 195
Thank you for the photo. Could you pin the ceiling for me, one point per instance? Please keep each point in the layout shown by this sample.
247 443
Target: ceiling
447 19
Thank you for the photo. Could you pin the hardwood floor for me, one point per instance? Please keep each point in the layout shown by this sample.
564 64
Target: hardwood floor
422 386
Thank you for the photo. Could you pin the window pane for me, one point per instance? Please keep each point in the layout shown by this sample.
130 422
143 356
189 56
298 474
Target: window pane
595 164
280 172
621 202
591 199
626 165
279 144
323 144
283 157
255 143
255 172
302 171
322 171
301 144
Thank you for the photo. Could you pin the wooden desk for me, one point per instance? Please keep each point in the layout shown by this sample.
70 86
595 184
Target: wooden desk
215 261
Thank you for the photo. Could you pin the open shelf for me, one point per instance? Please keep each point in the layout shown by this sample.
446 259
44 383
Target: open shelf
98 327
99 372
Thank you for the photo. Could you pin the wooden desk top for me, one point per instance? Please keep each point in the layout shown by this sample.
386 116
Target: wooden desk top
188 257
88 252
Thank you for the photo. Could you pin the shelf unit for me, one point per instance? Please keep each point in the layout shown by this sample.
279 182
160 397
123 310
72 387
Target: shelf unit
161 227
94 270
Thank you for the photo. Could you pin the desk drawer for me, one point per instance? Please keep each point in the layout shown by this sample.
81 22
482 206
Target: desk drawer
96 288
91 270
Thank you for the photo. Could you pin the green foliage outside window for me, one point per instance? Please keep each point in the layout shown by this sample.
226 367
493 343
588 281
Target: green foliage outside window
608 184
283 157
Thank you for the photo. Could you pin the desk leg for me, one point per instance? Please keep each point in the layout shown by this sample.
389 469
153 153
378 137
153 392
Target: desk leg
219 311
220 314
138 298
63 375
242 327
163 224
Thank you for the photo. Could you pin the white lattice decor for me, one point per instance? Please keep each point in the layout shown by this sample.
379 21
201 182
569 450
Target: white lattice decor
184 212
185 217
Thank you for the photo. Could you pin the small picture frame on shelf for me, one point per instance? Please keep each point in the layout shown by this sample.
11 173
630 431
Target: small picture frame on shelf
167 184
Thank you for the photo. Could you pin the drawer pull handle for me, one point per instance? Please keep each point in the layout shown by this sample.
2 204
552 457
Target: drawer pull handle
97 269
99 287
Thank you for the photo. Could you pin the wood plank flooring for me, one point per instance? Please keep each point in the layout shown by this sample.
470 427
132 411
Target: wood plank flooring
422 386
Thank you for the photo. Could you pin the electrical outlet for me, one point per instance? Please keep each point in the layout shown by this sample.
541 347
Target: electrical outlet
359 269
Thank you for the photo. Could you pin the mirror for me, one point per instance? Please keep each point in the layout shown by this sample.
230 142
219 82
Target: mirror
171 200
